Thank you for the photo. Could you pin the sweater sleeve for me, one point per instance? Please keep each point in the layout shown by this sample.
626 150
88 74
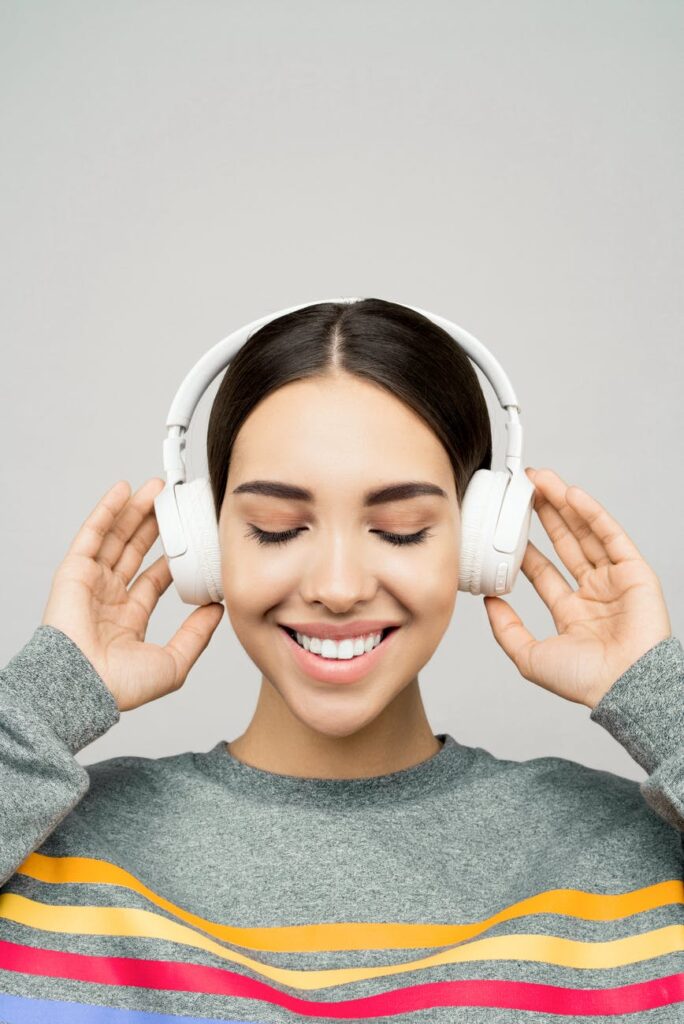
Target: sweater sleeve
644 711
52 704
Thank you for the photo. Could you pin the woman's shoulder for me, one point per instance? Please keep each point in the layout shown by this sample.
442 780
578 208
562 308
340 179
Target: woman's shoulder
562 787
133 778
563 774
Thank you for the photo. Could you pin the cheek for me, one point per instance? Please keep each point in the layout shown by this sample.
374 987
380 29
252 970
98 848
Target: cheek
439 591
254 577
430 583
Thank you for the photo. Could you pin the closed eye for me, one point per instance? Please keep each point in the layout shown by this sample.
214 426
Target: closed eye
398 539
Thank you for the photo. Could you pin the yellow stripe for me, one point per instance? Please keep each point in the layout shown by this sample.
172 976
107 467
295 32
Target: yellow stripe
362 935
549 949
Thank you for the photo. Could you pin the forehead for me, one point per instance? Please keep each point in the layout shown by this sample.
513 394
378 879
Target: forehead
343 429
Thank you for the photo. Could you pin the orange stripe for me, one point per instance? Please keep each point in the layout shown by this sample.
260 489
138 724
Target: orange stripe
336 936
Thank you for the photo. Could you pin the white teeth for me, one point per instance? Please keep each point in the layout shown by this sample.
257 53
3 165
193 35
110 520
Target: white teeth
350 648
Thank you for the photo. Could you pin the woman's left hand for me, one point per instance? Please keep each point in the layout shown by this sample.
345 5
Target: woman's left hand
615 615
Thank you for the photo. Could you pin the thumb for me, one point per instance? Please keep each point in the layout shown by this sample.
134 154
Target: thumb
213 613
508 629
506 625
193 637
499 613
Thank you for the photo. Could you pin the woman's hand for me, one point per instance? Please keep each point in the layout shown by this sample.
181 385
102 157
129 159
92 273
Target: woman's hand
93 605
616 614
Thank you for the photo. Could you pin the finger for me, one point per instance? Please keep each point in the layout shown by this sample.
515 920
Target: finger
546 579
579 548
552 497
128 521
619 546
89 538
510 634
192 638
134 552
151 584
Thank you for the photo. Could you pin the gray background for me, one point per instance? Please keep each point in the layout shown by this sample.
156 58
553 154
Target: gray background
171 171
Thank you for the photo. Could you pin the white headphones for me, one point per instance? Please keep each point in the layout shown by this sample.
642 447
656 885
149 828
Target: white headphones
495 511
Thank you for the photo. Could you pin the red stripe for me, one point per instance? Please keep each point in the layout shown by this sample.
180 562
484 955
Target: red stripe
182 977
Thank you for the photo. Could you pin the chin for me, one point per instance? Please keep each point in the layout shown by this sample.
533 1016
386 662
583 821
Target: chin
334 714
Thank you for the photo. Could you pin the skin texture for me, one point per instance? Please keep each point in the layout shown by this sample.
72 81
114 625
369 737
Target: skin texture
339 437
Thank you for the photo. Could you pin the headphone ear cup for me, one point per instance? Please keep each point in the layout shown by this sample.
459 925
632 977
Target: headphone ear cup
479 513
197 572
499 504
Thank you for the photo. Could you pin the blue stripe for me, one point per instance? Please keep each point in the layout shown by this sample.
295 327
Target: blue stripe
20 1010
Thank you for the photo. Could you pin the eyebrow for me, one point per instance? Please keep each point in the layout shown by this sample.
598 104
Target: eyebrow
391 492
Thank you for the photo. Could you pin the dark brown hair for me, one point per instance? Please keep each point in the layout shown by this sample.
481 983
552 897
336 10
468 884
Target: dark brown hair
397 348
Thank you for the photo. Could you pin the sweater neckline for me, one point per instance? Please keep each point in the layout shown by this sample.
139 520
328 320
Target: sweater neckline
427 775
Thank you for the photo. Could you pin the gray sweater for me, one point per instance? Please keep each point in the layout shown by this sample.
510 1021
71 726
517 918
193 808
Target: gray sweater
468 888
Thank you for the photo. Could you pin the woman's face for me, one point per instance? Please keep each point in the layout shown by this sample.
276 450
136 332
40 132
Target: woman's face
338 437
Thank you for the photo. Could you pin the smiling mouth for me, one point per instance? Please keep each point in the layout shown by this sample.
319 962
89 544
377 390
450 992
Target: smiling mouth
385 633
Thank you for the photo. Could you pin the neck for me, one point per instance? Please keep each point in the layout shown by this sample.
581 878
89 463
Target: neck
277 741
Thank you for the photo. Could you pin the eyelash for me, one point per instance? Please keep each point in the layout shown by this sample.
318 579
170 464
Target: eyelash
397 539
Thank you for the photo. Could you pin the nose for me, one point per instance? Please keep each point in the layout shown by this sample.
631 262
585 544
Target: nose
339 574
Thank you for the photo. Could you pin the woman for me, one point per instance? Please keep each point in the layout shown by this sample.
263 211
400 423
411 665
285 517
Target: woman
338 860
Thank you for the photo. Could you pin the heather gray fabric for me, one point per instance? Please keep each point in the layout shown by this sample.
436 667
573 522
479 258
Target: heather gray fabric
178 851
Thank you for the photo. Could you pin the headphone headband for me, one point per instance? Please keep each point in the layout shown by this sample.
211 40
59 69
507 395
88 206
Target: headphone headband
495 510
218 357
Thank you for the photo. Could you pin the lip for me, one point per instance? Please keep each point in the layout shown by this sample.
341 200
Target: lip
334 670
362 627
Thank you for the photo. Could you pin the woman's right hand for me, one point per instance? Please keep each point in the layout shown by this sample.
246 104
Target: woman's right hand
92 603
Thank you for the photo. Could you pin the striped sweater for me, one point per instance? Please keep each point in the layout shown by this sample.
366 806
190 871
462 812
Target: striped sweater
467 888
